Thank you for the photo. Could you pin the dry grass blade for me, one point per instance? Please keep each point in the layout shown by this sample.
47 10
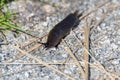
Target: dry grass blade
75 59
86 55
60 63
98 23
18 56
43 63
34 39
96 66
101 67
16 72
21 55
94 9
101 37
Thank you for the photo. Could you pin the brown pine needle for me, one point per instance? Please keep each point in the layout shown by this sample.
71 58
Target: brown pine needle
75 59
101 67
82 17
86 55
43 63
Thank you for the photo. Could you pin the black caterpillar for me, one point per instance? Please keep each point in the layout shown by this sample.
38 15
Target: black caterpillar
62 29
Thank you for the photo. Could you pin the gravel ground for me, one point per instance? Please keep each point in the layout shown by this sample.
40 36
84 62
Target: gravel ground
39 17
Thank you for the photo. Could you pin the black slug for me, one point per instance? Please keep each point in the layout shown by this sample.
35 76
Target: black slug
62 29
